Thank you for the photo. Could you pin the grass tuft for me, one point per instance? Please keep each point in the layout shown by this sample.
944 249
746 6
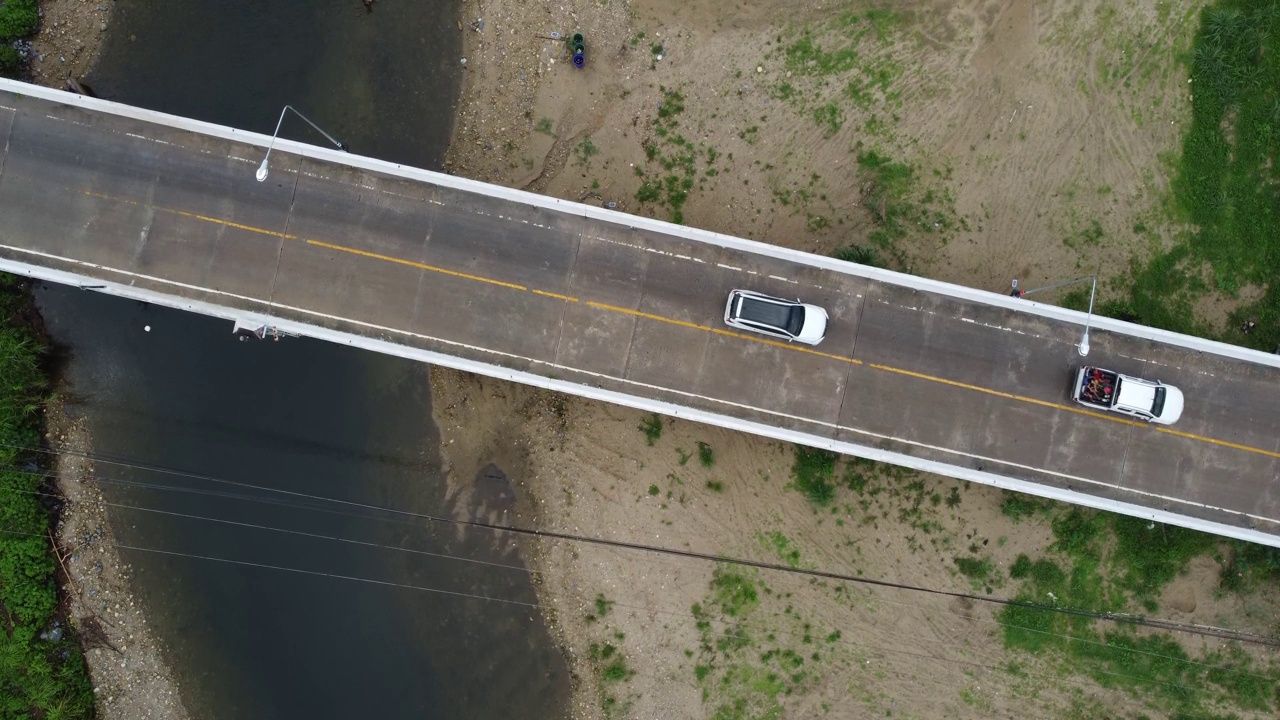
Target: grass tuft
812 473
652 429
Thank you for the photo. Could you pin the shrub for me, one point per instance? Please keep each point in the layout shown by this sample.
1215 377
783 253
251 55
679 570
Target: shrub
39 677
10 61
652 428
18 18
812 472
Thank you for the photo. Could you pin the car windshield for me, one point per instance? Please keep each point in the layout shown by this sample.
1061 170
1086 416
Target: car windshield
795 320
1157 408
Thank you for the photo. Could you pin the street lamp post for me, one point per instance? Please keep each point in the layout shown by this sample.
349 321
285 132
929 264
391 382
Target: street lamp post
1083 346
262 169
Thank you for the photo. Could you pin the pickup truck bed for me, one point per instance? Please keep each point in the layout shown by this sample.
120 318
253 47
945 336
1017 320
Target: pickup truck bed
1097 387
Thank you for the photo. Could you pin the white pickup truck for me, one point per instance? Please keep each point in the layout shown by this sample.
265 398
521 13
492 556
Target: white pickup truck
1149 400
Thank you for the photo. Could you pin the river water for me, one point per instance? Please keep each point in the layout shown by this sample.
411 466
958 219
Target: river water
385 82
273 600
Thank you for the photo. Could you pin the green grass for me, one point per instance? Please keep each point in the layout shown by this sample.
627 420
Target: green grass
615 671
1225 187
1150 555
584 151
603 606
860 254
10 61
706 455
1019 507
746 675
830 117
676 157
785 549
38 678
733 592
807 56
902 203
1250 566
812 473
652 429
18 19
974 568
1110 563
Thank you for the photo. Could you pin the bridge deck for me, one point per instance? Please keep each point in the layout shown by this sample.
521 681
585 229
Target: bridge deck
980 387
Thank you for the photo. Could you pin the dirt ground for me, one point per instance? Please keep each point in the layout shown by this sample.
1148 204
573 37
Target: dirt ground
1033 134
69 40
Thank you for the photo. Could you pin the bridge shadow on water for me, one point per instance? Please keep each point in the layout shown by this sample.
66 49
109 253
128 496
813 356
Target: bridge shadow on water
284 631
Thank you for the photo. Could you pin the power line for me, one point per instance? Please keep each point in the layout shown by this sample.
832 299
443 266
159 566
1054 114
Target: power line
540 607
1069 638
1119 618
528 571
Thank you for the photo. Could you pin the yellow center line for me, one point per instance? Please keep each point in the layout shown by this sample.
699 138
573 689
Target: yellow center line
720 331
1008 395
196 216
411 263
557 296
1215 441
695 326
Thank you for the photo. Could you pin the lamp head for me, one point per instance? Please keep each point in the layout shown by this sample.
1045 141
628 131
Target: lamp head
1083 347
262 171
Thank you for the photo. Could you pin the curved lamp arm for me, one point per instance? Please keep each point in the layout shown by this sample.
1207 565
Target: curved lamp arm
262 169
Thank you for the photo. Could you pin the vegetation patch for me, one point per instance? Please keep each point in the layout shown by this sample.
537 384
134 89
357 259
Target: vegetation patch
42 672
785 549
1250 567
652 429
676 164
1112 564
733 592
750 674
18 19
1226 187
1019 506
901 205
860 254
812 473
584 151
706 455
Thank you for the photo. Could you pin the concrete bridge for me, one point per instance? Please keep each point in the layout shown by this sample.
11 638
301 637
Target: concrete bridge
627 310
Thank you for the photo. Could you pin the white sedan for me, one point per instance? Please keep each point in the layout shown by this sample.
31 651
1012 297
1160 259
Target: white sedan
767 315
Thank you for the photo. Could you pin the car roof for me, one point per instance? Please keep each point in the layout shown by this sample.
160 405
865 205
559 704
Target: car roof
767 311
1137 393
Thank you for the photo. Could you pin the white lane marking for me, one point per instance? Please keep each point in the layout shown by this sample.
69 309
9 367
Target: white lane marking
728 267
1002 328
647 386
136 136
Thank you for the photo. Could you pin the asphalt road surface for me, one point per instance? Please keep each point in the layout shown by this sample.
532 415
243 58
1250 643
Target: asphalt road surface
603 304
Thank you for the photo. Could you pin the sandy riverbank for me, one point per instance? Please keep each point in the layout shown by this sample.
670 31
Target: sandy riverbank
71 36
1024 139
131 679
